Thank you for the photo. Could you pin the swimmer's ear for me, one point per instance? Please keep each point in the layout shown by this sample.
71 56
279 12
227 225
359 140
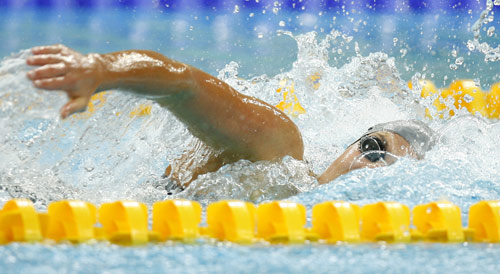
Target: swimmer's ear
74 105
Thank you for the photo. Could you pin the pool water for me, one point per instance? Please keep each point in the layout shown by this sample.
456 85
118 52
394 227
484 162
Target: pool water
363 61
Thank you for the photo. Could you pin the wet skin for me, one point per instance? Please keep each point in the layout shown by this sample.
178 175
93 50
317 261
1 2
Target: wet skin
242 127
352 158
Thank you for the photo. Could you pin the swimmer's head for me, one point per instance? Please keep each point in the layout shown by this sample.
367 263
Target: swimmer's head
381 145
419 136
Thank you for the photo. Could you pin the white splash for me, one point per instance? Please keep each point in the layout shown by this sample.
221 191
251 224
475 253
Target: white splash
109 155
491 54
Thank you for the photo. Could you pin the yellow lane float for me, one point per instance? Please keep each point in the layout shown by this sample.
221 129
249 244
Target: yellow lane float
177 220
19 222
485 221
231 221
385 221
290 103
281 221
126 222
439 221
69 221
461 94
336 221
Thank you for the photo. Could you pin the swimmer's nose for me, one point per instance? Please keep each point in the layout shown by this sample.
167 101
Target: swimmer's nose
339 167
350 160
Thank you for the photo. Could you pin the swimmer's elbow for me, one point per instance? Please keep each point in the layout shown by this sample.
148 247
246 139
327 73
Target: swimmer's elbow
297 146
290 144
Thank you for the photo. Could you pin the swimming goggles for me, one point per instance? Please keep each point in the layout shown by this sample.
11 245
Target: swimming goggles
372 148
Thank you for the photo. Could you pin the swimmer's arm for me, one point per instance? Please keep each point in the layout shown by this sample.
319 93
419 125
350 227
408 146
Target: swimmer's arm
212 110
243 126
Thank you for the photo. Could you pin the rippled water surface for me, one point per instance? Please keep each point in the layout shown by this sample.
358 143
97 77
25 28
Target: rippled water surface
363 60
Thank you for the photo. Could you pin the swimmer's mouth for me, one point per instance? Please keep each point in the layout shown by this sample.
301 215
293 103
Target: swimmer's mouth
372 148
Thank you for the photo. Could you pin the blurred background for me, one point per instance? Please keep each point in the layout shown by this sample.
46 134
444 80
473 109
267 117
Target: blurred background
428 38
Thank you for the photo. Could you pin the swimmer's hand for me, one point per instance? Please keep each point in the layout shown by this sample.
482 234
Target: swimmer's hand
61 68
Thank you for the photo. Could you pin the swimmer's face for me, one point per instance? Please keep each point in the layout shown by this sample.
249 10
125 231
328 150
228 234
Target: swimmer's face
373 150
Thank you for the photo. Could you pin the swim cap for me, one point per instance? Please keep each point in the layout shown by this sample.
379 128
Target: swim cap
416 133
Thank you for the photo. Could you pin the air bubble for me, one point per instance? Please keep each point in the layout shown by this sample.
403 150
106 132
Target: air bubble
282 23
453 67
236 9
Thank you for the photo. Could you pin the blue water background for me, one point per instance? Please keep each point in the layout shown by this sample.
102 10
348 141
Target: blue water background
210 39
421 39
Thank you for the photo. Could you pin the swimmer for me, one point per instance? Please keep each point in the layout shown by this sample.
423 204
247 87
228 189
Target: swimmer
232 126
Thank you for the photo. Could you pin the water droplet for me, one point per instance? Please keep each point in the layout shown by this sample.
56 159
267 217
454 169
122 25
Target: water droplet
282 23
459 61
468 98
497 3
395 39
484 47
453 67
22 155
491 31
470 45
236 9
251 14
454 53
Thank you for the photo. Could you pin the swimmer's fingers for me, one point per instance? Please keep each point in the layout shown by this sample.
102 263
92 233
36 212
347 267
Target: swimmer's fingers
74 105
46 59
54 83
48 71
52 49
